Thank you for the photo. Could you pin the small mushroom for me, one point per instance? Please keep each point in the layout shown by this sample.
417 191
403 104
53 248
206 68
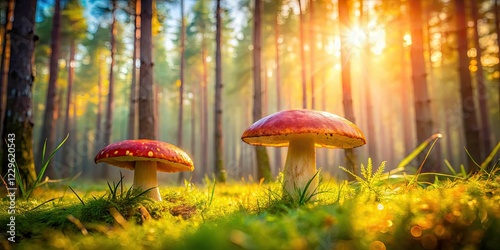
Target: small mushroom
302 131
146 157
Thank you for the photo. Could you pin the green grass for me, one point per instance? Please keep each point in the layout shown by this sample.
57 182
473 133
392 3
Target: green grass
374 212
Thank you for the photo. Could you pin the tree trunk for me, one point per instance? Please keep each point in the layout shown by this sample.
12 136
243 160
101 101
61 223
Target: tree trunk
468 107
497 30
98 140
4 63
50 117
108 123
481 88
18 123
204 108
312 47
277 150
220 170
66 149
134 107
263 168
302 57
350 154
193 133
147 122
180 118
423 118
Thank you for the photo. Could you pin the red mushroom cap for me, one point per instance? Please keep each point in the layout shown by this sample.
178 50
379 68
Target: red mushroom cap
124 154
327 130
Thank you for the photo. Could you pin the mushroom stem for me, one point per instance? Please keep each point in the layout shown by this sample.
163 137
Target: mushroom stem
145 178
300 168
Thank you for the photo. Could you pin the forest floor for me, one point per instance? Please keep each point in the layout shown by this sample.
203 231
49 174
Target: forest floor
377 211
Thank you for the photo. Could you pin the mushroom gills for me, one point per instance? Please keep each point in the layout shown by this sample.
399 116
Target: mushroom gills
300 168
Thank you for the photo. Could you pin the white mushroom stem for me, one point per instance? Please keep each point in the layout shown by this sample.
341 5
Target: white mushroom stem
145 178
300 168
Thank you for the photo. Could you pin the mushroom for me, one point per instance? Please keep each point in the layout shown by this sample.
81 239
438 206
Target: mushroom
146 157
302 131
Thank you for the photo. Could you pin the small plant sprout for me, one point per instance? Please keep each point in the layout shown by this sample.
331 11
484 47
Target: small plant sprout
146 157
302 131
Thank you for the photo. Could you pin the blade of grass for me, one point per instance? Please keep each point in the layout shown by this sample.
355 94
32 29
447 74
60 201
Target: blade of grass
490 156
83 203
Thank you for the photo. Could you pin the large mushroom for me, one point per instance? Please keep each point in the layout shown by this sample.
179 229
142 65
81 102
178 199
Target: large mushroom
146 157
302 131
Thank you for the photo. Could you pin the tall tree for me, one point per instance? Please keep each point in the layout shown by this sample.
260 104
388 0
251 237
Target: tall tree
312 48
180 119
50 115
263 167
302 56
343 9
133 106
4 61
108 121
220 170
423 118
73 31
147 119
18 123
277 51
468 107
481 88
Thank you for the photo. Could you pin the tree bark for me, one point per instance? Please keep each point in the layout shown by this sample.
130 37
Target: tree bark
312 47
423 116
108 122
4 63
18 124
277 150
133 106
204 108
302 57
50 117
66 149
350 154
468 107
263 167
220 170
180 119
481 88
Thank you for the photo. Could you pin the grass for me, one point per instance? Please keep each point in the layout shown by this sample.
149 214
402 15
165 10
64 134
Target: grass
379 210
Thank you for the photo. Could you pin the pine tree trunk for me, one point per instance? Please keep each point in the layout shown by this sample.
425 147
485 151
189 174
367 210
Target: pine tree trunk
204 109
134 90
302 57
108 123
312 46
50 117
481 88
66 164
471 127
277 150
263 167
350 154
423 118
18 122
180 118
147 127
220 170
4 63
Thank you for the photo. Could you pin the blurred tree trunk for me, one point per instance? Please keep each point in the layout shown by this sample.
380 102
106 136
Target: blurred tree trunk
147 121
370 134
204 108
277 150
133 121
302 57
481 88
471 127
263 167
497 30
193 133
18 122
48 132
4 61
180 118
220 170
423 118
66 164
312 46
350 154
98 140
108 123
